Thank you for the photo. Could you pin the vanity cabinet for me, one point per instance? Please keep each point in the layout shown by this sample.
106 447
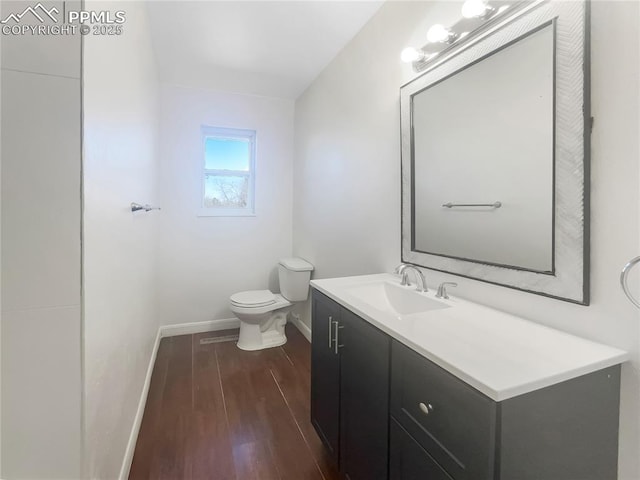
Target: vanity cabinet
350 390
567 431
385 411
325 373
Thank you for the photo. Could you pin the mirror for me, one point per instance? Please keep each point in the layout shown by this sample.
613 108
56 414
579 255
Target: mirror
498 160
494 155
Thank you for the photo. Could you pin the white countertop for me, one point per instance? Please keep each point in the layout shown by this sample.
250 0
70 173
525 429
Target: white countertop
499 354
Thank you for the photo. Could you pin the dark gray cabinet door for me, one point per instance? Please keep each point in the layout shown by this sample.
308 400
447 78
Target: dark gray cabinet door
325 373
408 460
364 424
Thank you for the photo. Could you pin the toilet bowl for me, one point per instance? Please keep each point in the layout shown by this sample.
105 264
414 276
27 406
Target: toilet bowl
263 314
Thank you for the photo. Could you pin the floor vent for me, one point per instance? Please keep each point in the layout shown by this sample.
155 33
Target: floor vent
226 338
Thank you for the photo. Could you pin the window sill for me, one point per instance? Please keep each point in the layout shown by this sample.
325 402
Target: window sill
211 212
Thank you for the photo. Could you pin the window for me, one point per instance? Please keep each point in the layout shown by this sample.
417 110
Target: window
228 178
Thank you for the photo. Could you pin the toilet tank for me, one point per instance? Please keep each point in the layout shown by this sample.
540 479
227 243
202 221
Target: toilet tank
294 275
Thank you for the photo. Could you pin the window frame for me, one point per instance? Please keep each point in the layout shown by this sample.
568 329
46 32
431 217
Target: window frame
228 134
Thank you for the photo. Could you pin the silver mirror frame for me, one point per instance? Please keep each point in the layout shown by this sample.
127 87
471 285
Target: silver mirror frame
570 279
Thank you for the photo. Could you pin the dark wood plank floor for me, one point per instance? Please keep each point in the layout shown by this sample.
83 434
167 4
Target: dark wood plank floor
217 412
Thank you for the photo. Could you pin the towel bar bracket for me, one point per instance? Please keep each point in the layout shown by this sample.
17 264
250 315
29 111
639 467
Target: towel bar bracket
135 207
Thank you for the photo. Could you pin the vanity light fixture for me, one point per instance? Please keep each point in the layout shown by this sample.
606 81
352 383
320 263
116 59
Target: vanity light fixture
476 16
410 55
413 55
477 9
441 34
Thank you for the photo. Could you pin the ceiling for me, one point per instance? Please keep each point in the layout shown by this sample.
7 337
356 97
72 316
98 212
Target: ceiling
271 48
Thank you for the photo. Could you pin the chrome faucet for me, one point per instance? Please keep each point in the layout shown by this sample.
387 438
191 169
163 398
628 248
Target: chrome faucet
400 271
403 269
442 289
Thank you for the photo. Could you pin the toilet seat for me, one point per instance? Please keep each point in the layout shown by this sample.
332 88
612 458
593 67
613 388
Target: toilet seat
279 302
253 298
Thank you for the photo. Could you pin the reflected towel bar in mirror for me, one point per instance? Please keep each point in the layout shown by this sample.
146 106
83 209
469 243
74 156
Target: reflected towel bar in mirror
453 205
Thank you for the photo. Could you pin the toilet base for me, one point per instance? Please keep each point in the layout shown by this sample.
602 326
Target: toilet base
252 337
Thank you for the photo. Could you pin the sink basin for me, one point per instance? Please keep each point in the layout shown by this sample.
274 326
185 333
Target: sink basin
394 299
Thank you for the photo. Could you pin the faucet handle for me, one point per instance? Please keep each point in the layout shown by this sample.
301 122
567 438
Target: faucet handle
442 289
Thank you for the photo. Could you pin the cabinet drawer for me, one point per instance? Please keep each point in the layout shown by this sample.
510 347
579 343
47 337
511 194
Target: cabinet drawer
451 420
408 460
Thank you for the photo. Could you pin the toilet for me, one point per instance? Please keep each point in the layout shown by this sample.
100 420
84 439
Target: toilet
263 314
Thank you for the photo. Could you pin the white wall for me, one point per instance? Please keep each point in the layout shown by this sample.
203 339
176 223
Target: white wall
41 343
347 178
120 166
203 260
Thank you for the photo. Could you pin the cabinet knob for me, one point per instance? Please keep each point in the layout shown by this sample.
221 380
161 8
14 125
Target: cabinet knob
426 409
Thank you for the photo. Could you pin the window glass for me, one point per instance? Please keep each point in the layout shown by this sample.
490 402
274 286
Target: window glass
226 154
226 191
228 172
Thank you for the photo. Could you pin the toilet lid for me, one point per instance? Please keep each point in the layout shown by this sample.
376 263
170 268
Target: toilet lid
253 298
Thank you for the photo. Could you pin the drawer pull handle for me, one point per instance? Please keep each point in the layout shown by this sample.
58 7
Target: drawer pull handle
426 409
330 323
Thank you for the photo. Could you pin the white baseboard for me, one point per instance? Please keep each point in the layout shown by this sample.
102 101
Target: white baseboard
166 331
137 421
199 327
300 325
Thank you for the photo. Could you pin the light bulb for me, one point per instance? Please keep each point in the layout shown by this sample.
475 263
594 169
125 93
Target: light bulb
440 34
476 9
410 55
